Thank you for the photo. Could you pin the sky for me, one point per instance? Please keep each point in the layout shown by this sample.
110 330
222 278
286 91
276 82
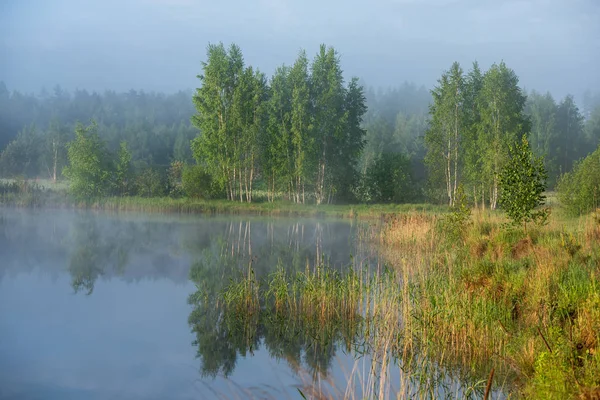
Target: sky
158 45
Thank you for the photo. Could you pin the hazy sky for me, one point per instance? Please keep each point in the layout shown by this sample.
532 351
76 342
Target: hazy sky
159 44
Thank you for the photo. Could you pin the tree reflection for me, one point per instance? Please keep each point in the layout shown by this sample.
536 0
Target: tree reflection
97 252
223 334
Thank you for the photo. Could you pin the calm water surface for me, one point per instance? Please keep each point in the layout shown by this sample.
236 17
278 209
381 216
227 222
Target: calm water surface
95 305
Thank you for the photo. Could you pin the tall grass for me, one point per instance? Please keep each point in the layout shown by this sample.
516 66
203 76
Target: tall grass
525 305
365 309
23 193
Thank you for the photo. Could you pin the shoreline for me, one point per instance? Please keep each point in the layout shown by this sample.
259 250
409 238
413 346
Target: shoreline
168 205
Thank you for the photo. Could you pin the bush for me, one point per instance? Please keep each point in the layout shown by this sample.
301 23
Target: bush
198 183
579 189
90 164
455 224
174 176
150 183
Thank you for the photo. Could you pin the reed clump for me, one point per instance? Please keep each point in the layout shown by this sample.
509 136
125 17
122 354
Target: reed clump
317 294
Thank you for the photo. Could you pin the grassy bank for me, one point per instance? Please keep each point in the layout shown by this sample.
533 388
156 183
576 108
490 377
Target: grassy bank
520 311
32 194
280 208
527 304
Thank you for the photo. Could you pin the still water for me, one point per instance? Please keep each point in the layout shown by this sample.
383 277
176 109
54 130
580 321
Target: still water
95 305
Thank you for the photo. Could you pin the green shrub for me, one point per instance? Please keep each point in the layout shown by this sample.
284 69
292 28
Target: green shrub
174 176
90 164
523 182
455 224
198 183
150 183
579 189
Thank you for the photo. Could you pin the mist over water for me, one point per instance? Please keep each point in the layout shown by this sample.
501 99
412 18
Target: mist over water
95 305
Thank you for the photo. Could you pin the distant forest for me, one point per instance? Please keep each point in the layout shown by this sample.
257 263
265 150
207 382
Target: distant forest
305 134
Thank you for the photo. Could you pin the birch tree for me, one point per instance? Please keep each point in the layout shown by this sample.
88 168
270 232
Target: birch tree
275 143
217 144
447 129
301 126
500 103
327 93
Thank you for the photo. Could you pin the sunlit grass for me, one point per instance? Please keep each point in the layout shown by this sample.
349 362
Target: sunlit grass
523 304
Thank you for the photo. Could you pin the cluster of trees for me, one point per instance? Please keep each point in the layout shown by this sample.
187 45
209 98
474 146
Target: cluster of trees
303 134
560 133
94 171
476 116
579 189
300 133
34 130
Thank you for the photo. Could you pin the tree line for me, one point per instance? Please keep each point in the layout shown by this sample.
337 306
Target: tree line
475 117
304 134
35 129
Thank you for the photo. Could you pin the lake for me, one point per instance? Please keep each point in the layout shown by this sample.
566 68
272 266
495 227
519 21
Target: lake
97 305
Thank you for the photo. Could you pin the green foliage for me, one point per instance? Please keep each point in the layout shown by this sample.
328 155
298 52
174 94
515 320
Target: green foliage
387 180
579 190
571 144
220 108
444 137
123 170
90 165
150 183
500 104
551 379
198 183
21 156
21 192
542 109
592 128
569 243
522 181
303 133
454 225
174 178
299 141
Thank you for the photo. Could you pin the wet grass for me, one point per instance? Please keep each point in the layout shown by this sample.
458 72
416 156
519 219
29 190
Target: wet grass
525 306
362 309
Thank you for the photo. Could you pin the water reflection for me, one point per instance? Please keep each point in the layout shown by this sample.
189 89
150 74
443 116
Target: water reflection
127 262
222 336
93 254
92 246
